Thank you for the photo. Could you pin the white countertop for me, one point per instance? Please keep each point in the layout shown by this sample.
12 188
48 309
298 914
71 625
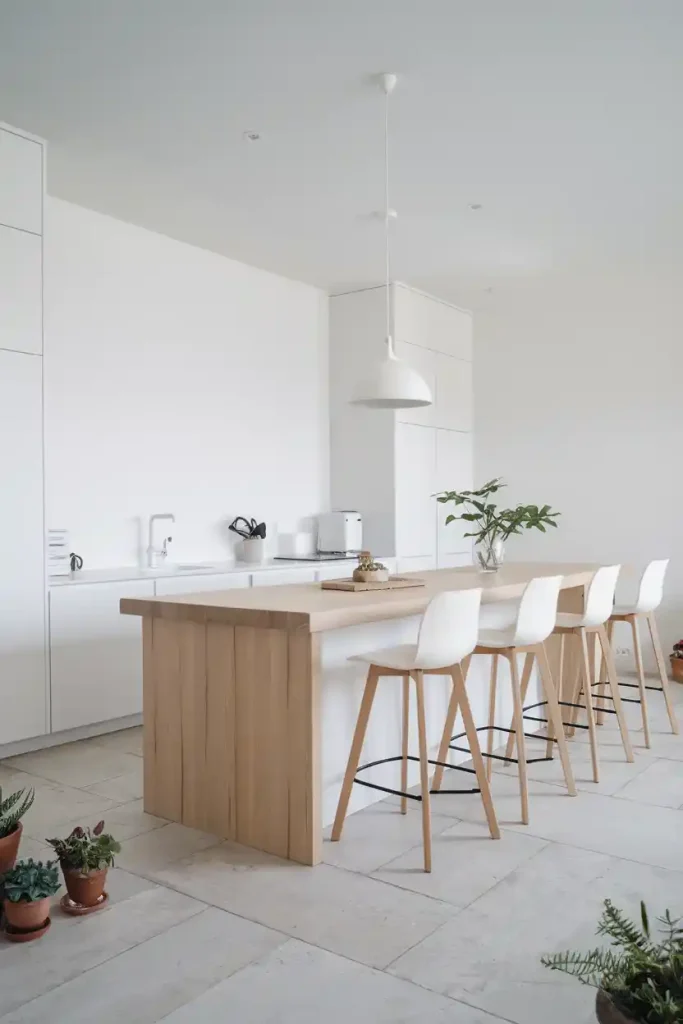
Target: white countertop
134 572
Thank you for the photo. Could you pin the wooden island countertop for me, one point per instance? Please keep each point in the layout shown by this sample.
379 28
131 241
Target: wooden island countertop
232 694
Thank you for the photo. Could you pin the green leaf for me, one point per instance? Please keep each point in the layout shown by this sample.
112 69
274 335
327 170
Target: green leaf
450 519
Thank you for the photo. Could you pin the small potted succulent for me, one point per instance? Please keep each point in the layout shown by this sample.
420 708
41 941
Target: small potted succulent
677 662
85 857
12 810
369 571
28 888
639 980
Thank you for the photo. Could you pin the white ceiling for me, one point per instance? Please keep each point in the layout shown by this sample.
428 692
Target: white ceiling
561 117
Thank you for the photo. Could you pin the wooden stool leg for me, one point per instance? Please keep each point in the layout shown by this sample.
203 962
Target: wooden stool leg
575 693
446 739
614 690
424 771
519 736
555 716
405 733
493 682
588 694
661 665
602 703
526 676
641 677
460 690
356 748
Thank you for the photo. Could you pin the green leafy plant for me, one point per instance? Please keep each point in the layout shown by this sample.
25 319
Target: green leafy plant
13 808
366 562
31 880
642 977
488 521
85 850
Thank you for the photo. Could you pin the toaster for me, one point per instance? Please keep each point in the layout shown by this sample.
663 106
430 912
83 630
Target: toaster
340 533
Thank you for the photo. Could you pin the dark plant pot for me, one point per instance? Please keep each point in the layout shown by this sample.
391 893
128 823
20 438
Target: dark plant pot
27 916
85 890
607 1012
9 848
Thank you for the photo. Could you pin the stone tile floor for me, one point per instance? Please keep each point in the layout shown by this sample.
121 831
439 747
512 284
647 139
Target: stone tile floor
199 930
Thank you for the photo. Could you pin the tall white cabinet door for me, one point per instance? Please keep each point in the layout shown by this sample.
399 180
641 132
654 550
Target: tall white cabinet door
424 361
415 486
23 691
95 653
21 291
21 182
453 398
454 472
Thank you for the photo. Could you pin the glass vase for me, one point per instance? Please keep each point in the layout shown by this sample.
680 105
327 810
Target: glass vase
489 553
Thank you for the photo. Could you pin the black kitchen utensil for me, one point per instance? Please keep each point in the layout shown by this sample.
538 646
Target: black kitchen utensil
248 528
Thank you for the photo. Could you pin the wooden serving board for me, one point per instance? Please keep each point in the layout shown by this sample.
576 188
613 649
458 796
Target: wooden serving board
393 583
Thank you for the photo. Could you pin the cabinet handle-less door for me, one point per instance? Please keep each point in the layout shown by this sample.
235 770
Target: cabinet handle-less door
21 182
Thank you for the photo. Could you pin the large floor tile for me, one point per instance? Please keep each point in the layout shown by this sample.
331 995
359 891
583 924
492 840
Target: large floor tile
298 984
55 804
146 983
121 788
489 953
651 835
124 821
75 764
339 910
154 849
128 741
661 784
73 945
466 863
379 833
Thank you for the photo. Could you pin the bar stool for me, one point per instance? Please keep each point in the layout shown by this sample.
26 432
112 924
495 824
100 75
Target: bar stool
650 591
534 621
448 633
597 610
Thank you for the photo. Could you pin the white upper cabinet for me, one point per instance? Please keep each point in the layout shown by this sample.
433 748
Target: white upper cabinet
453 399
424 361
415 486
23 690
431 323
454 472
21 284
21 182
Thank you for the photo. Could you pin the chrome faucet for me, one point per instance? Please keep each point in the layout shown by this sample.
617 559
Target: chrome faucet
157 553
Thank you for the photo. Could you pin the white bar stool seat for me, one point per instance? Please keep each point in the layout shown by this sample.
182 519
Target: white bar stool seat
447 636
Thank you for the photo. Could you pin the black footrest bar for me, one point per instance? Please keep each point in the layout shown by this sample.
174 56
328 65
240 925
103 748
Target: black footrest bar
412 796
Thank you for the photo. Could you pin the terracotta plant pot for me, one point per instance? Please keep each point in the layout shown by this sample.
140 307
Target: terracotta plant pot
9 848
27 917
371 575
607 1012
677 669
86 890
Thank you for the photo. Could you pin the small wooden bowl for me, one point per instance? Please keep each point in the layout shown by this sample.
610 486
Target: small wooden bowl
370 575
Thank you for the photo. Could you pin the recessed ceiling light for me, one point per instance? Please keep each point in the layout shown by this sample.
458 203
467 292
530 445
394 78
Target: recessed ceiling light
474 206
252 136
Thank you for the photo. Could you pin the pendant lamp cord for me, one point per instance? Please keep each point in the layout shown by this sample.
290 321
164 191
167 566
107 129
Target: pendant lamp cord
386 221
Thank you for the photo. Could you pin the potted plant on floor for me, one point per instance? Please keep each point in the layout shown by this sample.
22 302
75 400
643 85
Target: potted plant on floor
12 810
85 857
28 888
639 980
492 526
677 661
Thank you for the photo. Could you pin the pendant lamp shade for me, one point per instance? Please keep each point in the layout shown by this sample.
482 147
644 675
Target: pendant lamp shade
393 384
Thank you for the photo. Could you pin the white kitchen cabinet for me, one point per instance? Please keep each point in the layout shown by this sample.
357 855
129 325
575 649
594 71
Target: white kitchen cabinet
457 560
431 323
23 685
454 472
453 405
21 286
166 586
95 653
415 486
275 577
419 564
21 182
423 360
336 570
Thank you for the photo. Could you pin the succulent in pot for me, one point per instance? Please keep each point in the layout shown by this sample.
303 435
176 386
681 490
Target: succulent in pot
370 571
85 856
28 888
12 810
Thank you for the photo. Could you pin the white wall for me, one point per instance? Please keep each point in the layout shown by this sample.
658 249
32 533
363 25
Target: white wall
578 403
175 380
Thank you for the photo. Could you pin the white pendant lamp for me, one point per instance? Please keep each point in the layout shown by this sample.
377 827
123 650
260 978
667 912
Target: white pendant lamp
394 384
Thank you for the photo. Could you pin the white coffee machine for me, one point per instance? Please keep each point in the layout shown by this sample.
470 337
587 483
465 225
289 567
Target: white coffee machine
340 533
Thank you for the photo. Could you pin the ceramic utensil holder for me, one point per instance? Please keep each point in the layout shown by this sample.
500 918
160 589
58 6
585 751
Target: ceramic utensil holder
252 550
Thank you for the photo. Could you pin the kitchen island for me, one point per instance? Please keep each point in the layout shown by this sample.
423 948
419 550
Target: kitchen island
249 700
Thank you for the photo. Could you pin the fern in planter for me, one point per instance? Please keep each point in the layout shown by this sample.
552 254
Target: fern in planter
642 977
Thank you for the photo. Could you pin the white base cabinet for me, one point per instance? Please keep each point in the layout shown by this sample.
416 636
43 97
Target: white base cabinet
95 653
